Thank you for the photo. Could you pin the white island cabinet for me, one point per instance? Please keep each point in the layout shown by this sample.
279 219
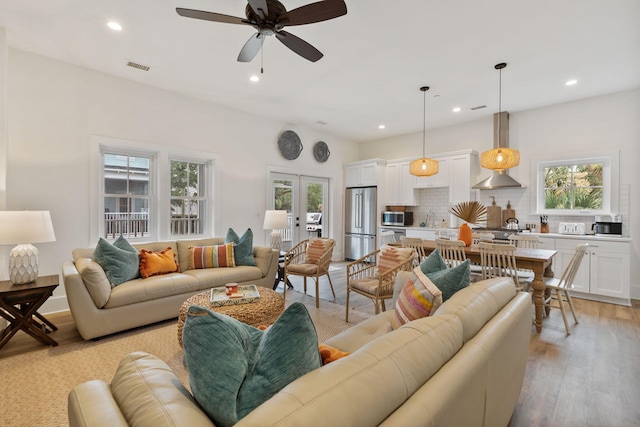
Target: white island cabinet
604 273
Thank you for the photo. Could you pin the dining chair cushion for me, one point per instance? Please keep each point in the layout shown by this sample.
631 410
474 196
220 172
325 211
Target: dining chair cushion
233 367
316 248
390 257
302 268
451 280
434 262
367 285
243 247
419 298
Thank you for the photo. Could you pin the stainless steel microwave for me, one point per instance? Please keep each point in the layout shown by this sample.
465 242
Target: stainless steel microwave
399 219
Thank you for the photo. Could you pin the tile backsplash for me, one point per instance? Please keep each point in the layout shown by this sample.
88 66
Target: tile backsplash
437 201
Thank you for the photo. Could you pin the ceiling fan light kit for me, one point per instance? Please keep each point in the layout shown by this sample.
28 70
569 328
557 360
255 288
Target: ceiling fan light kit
424 166
501 158
269 17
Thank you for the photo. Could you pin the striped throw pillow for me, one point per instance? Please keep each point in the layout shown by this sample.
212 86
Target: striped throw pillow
390 257
316 248
419 298
211 256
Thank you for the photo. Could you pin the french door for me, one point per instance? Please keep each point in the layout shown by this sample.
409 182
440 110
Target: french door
305 198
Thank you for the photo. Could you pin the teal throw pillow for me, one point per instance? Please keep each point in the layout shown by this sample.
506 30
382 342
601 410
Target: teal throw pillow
451 280
234 367
433 262
243 246
119 260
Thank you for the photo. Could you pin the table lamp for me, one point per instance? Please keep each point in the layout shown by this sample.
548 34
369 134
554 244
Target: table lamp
275 221
22 228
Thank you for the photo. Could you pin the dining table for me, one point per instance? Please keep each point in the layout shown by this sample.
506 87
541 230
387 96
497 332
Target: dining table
537 260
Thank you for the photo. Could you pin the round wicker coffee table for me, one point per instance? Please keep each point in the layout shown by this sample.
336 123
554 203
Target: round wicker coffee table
265 311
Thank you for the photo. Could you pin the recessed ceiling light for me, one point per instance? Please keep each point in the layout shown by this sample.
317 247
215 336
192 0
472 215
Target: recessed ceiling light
114 26
381 126
457 109
571 82
254 78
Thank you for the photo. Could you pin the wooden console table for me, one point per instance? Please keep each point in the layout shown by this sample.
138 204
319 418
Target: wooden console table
19 304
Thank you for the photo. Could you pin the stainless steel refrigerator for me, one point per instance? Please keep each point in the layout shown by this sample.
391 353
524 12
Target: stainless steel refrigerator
360 221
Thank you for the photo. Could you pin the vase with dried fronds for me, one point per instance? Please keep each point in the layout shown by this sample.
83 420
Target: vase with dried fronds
471 212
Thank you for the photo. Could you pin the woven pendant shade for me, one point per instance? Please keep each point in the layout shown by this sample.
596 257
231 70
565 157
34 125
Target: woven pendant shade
500 159
424 167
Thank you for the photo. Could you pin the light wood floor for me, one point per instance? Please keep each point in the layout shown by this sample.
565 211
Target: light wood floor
589 378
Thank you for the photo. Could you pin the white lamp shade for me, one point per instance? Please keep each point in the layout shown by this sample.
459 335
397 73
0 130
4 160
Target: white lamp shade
17 227
275 220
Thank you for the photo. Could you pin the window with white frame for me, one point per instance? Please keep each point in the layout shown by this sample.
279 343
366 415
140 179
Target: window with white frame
147 192
127 194
577 185
188 197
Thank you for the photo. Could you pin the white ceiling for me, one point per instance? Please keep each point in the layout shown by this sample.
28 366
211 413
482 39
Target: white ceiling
376 57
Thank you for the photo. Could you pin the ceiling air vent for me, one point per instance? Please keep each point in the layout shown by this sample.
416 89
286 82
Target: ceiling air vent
479 107
138 66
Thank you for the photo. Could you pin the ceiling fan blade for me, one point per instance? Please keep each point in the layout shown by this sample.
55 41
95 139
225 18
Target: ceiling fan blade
210 16
314 12
299 46
259 7
251 48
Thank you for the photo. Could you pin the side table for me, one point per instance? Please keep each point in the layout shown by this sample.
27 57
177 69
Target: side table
280 277
19 304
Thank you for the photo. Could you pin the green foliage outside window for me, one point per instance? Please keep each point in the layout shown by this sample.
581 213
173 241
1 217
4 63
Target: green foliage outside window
573 187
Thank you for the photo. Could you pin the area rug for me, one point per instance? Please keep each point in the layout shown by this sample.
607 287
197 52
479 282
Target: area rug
34 386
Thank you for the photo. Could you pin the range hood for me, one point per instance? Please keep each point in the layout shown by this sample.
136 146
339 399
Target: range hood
499 179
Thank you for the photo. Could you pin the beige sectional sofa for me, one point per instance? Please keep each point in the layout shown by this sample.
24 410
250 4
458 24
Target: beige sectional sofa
463 366
100 310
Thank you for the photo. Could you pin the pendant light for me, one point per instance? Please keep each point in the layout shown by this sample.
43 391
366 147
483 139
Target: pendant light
500 158
424 166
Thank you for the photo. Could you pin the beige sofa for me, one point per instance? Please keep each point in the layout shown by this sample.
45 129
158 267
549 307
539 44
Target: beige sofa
464 366
99 310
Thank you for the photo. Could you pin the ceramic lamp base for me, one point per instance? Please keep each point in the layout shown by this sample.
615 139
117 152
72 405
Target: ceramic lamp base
276 239
23 264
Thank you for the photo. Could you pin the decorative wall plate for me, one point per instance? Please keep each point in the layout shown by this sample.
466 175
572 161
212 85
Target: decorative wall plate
321 151
289 144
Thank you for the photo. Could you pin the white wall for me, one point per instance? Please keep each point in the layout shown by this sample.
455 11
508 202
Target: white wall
54 107
604 122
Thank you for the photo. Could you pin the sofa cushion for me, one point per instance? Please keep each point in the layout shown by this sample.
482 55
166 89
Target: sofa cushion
155 287
119 260
390 257
155 263
211 256
243 249
451 280
234 367
95 280
419 298
434 262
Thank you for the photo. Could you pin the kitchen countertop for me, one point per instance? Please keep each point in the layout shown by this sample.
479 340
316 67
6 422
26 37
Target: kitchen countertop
553 235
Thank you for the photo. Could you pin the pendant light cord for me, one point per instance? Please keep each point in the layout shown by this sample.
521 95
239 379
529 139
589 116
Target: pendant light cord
424 124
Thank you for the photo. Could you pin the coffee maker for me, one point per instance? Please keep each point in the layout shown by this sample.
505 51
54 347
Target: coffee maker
608 225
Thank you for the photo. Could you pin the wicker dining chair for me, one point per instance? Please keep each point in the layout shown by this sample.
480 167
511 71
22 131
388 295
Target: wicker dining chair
387 237
374 274
310 258
525 241
498 260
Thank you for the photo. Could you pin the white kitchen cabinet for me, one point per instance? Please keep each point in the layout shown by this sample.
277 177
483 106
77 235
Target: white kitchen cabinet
365 173
604 273
399 190
441 179
547 243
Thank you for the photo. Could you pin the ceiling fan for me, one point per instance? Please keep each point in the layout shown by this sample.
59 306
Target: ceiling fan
269 17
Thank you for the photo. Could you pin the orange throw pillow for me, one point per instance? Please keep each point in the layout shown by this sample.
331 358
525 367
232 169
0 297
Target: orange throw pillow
153 263
330 354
